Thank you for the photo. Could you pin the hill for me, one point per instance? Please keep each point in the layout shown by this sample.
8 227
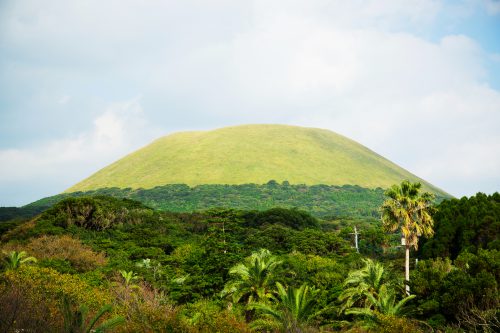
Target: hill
251 154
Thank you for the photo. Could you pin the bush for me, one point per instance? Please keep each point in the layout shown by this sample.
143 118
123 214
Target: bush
392 324
292 218
146 309
53 249
31 298
207 316
95 213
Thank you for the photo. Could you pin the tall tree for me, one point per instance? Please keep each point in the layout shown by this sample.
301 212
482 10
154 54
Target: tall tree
408 210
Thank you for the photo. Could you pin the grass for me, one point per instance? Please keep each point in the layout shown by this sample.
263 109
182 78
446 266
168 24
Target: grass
251 154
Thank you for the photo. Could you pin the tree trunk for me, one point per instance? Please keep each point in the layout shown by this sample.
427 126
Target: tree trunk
407 270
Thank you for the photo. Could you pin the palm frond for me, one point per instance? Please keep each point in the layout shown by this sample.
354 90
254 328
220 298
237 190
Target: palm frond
252 279
109 324
399 307
102 311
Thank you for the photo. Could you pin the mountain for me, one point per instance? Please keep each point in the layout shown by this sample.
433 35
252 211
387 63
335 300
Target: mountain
251 154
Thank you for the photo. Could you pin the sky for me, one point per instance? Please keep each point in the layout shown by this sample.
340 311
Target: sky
82 83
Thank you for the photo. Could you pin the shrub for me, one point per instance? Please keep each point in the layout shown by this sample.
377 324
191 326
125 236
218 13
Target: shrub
31 298
50 248
22 231
392 324
207 316
95 213
146 309
293 218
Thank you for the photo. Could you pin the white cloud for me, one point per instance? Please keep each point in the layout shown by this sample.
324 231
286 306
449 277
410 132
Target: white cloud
407 98
364 68
118 130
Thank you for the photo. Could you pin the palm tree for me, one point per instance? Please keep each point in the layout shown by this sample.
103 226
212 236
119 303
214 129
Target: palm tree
408 210
15 259
384 303
293 311
366 281
252 280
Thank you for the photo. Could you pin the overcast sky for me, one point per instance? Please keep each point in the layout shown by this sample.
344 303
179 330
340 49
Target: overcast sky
84 82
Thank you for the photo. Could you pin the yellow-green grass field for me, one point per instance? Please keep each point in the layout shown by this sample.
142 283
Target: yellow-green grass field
251 154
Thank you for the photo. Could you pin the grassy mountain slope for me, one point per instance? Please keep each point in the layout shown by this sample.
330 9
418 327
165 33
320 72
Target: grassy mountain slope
251 154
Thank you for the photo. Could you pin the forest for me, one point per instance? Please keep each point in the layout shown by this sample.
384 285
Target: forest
102 263
325 201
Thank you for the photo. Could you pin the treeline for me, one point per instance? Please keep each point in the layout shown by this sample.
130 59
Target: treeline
460 277
465 224
13 216
13 213
323 201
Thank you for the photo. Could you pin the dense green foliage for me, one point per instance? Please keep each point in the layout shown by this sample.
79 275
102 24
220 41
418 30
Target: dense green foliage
466 289
465 224
368 294
11 217
292 218
208 271
318 200
13 213
96 213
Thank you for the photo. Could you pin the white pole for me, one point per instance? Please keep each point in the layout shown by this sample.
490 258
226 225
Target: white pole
356 236
224 236
407 270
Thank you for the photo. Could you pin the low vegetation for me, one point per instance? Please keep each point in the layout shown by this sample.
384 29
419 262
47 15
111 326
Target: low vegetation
108 264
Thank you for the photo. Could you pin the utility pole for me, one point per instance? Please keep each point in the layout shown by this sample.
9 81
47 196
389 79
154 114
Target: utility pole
407 264
224 236
355 233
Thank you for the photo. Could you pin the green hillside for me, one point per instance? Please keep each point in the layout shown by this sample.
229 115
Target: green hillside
251 154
